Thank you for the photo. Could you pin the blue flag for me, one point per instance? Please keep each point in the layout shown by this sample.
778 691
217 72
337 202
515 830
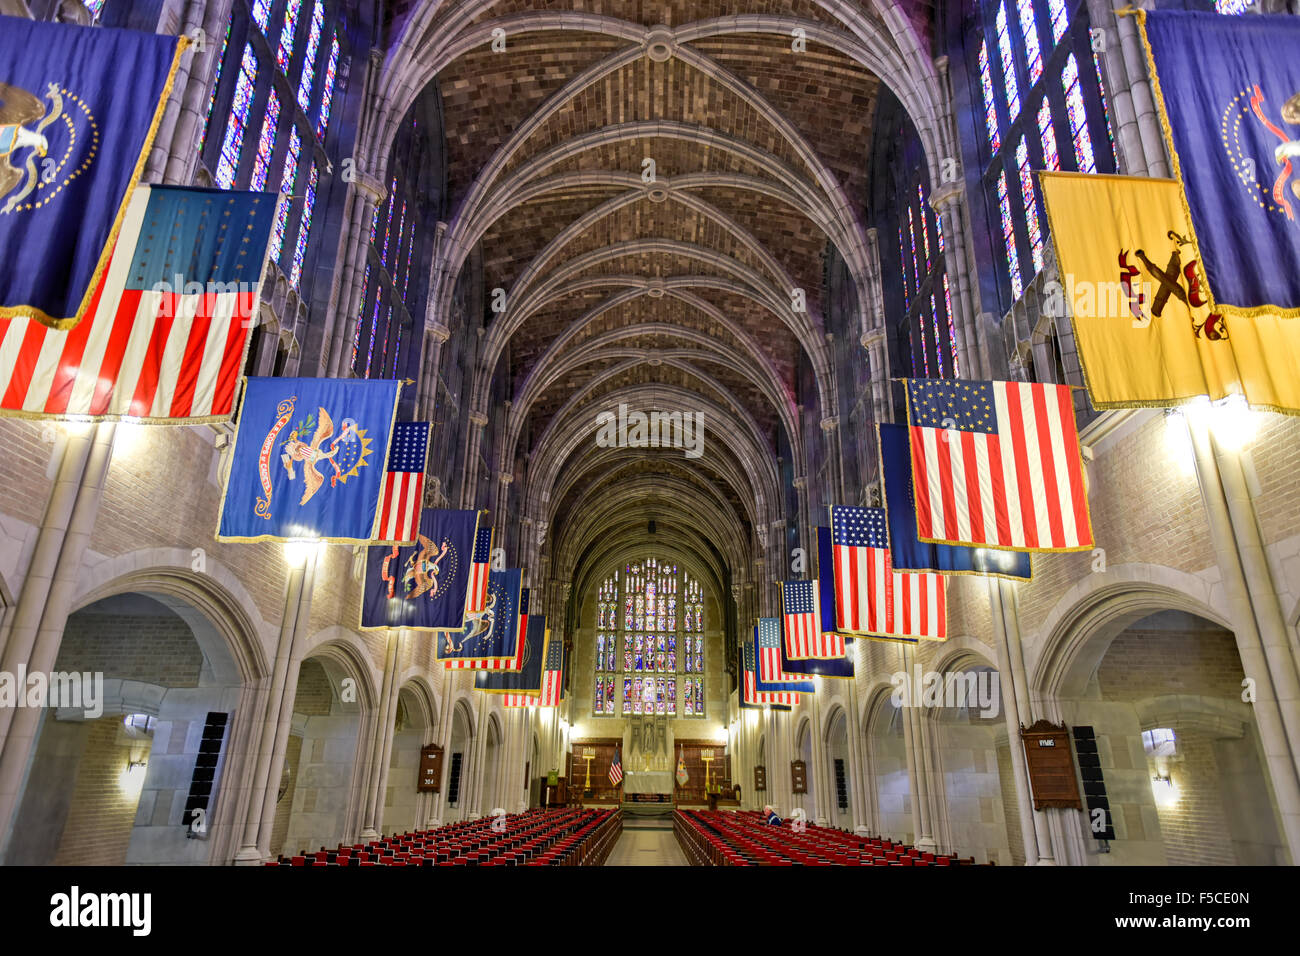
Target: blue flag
772 626
906 551
422 587
529 679
493 631
78 111
309 460
1230 90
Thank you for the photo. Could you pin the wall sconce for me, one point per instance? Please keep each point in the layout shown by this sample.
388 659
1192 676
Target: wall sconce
132 779
1162 786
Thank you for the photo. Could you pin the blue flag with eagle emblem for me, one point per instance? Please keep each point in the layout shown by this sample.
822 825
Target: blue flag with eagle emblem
492 632
309 460
422 587
78 111
1228 89
529 679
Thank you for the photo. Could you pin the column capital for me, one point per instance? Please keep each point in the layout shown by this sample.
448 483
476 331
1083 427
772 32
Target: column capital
947 195
800 482
370 188
437 330
870 339
478 418
505 477
830 424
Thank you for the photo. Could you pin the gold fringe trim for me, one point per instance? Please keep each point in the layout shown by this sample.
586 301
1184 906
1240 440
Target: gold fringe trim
71 322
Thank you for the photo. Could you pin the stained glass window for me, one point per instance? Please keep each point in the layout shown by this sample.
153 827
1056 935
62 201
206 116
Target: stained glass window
388 225
938 339
216 83
94 6
990 108
304 227
925 350
1078 117
1030 204
233 143
648 652
902 262
284 53
1029 31
1232 7
911 230
287 183
1105 106
356 335
925 224
374 326
406 272
1009 85
1060 18
1051 158
309 58
1009 235
952 329
266 144
261 13
938 232
327 93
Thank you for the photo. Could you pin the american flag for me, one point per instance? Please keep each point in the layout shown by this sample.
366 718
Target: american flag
616 770
872 598
480 565
403 493
509 664
166 330
997 464
769 654
519 700
752 696
553 673
805 636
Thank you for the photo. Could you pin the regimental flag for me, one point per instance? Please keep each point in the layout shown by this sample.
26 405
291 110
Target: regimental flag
553 674
78 111
479 568
872 599
493 632
308 460
806 634
997 464
1228 90
528 680
909 553
750 695
1148 329
770 651
167 327
616 770
768 630
422 587
403 499
683 778
515 663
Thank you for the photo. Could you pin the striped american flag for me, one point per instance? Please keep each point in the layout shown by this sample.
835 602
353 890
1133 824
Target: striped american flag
480 565
166 330
553 673
519 700
402 497
805 636
871 597
997 464
769 654
505 664
616 770
752 694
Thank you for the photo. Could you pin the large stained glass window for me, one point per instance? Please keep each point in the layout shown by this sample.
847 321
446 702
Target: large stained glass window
1060 17
356 335
990 107
233 143
1029 32
1051 158
216 83
284 53
1078 114
287 183
327 93
309 59
952 329
1009 235
304 226
1010 87
1030 205
262 13
649 640
266 143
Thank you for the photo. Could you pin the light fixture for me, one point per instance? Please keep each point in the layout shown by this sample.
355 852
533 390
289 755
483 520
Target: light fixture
298 550
132 778
1164 790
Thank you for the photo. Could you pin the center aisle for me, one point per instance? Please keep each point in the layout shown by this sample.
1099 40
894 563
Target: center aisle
648 843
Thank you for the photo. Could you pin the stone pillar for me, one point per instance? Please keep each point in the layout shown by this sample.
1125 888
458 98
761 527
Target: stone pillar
444 740
430 362
822 803
917 763
1137 133
501 511
45 598
366 194
834 461
175 151
949 202
269 763
468 494
474 803
372 820
857 764
874 338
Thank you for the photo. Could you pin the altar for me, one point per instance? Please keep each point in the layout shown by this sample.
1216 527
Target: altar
648 781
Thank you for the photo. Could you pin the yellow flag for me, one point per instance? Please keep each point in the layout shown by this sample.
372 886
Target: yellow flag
1145 322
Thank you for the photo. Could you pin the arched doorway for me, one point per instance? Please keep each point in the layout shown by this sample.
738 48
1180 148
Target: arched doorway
115 771
316 799
403 803
839 805
489 797
458 763
884 729
803 747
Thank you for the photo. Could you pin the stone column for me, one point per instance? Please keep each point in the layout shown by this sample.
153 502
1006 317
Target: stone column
917 763
949 202
444 741
822 803
468 495
857 764
501 511
366 193
45 598
175 151
372 820
835 463
1137 133
874 338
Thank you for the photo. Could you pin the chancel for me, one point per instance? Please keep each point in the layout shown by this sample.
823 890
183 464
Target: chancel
682 432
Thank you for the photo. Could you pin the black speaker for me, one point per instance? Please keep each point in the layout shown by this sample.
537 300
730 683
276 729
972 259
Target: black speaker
651 527
204 777
1100 822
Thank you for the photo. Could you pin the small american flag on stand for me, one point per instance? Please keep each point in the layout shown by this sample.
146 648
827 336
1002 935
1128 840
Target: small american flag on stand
166 330
997 464
872 598
480 565
616 770
805 636
403 495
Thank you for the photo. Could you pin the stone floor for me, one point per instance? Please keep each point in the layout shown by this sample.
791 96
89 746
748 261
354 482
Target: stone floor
646 846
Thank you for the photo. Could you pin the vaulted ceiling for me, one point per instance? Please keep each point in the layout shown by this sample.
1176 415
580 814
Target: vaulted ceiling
650 181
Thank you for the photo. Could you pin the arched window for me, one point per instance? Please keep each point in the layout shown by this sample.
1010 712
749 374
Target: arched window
1048 74
268 114
649 632
933 343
